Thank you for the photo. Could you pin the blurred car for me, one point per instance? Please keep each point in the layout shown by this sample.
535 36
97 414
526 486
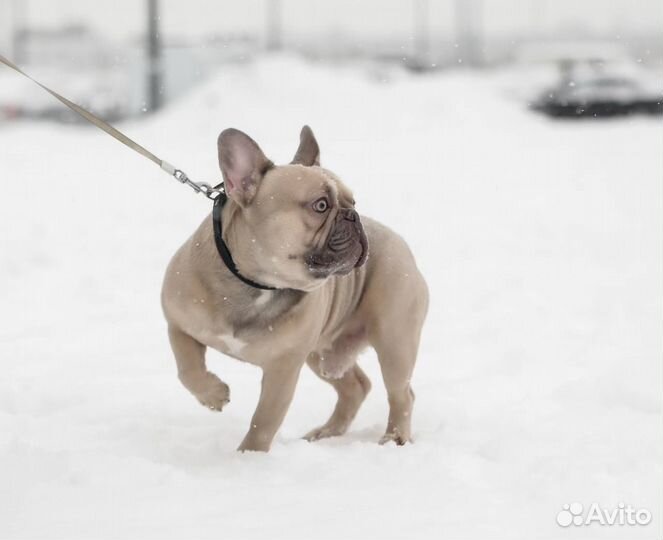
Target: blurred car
601 92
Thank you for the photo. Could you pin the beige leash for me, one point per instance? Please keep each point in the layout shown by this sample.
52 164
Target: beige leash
180 176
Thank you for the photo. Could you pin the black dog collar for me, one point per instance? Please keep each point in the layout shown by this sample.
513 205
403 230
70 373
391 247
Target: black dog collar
222 248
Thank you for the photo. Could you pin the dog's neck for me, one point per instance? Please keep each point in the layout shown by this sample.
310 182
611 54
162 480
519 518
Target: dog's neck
246 263
220 236
250 306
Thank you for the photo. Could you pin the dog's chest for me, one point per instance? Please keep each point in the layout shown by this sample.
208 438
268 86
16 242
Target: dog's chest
256 346
266 329
231 345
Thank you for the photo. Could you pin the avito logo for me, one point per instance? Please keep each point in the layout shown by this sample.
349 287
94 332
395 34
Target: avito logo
572 514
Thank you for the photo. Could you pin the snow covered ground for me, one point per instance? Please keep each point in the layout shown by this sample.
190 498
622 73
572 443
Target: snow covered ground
539 376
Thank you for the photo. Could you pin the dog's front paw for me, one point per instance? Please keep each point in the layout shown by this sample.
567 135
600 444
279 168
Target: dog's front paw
213 393
394 436
324 432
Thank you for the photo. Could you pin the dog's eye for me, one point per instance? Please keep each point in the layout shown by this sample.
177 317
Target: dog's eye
321 205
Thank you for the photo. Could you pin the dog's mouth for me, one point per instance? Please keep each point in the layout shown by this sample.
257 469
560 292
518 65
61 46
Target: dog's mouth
363 240
345 249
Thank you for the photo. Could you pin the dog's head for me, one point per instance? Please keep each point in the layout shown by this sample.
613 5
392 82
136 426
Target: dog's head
293 226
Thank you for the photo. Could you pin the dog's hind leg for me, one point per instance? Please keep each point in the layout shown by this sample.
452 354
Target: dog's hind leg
395 305
396 341
397 362
212 392
351 388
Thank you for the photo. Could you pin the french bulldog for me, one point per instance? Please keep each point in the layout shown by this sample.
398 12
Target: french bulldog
308 281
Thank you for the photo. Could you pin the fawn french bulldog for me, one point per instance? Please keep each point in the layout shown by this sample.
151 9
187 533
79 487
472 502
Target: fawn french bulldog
286 273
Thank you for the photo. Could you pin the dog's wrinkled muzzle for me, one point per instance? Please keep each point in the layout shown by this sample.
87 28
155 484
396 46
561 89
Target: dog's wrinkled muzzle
346 247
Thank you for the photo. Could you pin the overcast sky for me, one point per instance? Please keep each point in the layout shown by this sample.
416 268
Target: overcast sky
365 18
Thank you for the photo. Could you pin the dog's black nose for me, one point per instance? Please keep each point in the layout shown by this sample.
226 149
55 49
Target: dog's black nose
349 214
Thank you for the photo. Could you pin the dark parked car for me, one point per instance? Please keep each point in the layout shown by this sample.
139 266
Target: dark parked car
600 95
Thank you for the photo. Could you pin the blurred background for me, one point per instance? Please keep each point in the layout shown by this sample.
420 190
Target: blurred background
584 58
514 144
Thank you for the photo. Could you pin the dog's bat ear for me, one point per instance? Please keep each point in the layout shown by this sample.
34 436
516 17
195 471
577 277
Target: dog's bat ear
308 152
242 163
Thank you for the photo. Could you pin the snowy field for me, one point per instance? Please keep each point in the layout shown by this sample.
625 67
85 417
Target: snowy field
539 377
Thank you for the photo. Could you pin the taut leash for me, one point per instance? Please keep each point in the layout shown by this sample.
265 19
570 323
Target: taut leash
216 193
179 175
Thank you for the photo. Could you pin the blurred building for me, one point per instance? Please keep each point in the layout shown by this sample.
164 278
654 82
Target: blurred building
99 56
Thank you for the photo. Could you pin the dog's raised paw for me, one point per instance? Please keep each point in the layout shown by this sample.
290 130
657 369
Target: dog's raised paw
215 395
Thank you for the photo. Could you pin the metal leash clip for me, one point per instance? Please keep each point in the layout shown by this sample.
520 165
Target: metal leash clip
211 192
202 187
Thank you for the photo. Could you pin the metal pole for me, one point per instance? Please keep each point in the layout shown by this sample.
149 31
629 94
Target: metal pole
464 32
459 20
421 34
478 42
274 25
19 31
154 83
